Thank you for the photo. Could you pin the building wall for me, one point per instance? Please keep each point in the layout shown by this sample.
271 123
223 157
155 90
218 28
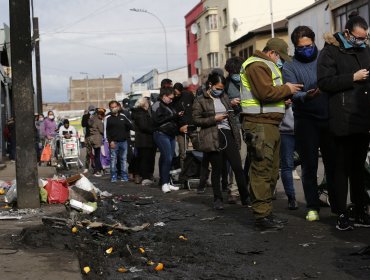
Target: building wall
318 18
191 39
97 92
258 42
177 75
242 16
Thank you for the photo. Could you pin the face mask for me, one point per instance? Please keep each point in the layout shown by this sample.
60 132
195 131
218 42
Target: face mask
92 112
279 63
356 43
217 92
51 117
235 78
41 119
306 52
115 110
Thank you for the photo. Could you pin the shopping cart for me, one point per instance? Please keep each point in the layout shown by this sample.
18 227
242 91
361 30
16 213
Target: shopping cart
69 152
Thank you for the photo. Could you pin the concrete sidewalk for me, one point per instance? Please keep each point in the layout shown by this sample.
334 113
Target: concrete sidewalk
32 263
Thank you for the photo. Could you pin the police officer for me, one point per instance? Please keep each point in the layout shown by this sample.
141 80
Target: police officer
262 101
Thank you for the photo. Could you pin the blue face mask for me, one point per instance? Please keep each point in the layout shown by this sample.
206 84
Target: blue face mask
217 92
279 63
306 52
235 78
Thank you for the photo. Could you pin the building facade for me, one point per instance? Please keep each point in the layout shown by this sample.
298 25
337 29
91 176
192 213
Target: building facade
256 39
97 92
223 21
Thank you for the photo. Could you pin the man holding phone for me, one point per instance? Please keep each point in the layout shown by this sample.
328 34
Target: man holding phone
262 101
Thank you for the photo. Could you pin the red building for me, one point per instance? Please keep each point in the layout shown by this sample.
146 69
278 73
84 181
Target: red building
191 40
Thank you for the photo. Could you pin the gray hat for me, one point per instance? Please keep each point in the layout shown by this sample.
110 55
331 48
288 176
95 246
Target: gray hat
91 107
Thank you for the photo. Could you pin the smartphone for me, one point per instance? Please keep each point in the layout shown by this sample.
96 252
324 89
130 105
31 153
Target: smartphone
230 111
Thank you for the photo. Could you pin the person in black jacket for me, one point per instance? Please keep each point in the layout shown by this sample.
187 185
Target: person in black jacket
182 102
117 128
342 73
144 139
165 130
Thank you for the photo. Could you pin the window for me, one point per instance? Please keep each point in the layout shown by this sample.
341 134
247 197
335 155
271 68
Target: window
224 12
197 35
211 22
188 37
340 15
247 52
213 60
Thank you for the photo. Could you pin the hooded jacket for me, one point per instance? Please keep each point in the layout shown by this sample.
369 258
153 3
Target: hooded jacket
349 102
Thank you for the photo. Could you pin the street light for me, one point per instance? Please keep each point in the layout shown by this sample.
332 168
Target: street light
164 30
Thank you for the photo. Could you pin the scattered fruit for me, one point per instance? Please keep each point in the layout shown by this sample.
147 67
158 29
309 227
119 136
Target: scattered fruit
74 229
2 191
122 269
182 237
142 250
150 263
87 269
110 232
159 267
109 250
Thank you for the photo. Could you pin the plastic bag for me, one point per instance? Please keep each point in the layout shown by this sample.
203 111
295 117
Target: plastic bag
11 195
46 153
43 195
58 191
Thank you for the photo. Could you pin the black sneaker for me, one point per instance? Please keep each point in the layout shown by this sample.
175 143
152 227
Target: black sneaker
292 204
362 220
218 204
267 223
343 223
201 190
247 202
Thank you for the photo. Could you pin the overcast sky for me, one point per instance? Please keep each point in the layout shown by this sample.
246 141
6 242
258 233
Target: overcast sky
77 34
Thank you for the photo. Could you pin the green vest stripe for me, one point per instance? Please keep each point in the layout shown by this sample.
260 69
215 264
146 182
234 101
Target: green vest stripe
249 103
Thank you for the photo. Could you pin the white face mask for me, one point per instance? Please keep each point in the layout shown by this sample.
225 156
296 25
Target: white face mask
91 112
51 117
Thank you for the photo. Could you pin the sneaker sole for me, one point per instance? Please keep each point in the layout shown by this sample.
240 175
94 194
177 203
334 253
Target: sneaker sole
361 225
344 229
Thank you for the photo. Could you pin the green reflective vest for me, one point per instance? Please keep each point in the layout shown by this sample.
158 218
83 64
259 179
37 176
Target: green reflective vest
251 105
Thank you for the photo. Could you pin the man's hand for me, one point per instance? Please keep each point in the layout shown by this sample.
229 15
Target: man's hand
184 129
235 101
112 145
288 102
294 88
312 93
220 117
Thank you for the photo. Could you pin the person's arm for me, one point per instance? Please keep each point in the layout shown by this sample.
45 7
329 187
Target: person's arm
85 119
289 76
74 132
327 77
199 117
259 77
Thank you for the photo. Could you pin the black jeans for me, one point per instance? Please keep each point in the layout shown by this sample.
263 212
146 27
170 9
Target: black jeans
310 135
229 153
97 163
146 161
350 156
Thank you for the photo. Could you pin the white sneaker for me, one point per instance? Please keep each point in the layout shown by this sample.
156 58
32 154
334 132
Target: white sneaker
166 188
295 175
173 188
146 182
85 171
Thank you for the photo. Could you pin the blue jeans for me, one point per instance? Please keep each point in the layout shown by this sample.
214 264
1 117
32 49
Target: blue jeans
119 153
166 146
287 163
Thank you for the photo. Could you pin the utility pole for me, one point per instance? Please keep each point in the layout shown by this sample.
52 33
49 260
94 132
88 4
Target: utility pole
21 56
36 39
272 21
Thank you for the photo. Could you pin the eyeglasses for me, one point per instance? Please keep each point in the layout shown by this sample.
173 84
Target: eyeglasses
358 38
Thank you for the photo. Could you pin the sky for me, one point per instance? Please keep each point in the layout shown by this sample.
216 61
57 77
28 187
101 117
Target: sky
96 38
77 36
